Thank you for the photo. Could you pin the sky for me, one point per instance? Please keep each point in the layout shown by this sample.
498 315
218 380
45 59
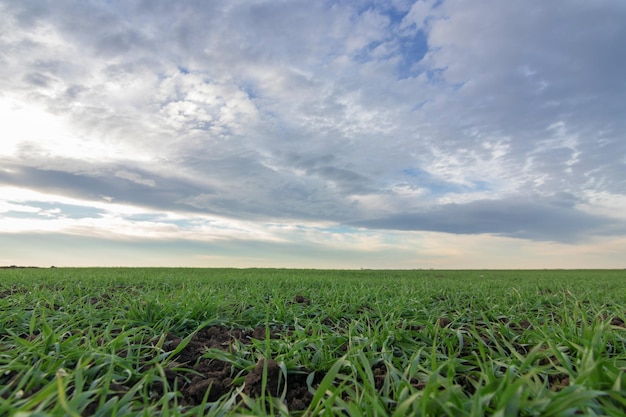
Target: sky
313 134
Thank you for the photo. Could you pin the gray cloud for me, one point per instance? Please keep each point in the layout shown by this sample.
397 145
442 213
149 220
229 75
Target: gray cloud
552 219
96 185
237 187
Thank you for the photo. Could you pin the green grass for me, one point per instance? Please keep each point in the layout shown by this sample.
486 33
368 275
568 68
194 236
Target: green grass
79 342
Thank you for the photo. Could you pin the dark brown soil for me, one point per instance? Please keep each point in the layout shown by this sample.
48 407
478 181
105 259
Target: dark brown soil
215 378
302 300
558 382
253 384
443 321
616 321
8 292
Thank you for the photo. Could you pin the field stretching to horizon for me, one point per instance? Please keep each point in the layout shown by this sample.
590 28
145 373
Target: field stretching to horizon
219 342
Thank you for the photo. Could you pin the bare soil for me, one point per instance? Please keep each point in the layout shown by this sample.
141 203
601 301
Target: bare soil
215 378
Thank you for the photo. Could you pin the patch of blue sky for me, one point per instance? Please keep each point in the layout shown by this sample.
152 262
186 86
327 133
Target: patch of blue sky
13 214
162 218
250 89
436 75
396 15
66 210
340 229
407 50
412 50
411 45
145 217
183 223
417 173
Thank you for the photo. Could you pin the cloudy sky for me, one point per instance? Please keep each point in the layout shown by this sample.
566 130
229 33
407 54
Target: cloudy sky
328 134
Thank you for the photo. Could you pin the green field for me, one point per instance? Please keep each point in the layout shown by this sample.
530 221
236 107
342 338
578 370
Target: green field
195 342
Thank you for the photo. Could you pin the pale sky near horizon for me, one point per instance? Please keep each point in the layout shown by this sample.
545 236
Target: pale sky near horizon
327 134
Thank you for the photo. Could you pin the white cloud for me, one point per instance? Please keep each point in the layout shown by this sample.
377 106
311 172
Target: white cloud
605 204
419 14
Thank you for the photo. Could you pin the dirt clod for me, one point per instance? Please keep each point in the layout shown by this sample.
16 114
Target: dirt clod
302 300
254 381
443 321
215 377
558 382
